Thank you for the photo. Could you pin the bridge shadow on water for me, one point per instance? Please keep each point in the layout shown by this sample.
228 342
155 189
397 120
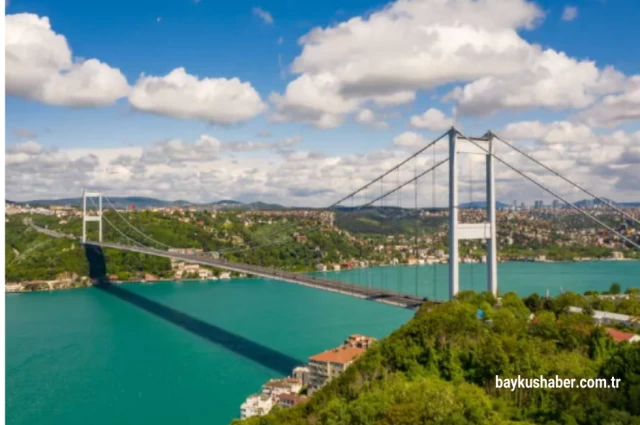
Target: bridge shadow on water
258 353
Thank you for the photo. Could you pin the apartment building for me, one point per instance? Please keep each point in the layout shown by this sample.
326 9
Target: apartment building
327 365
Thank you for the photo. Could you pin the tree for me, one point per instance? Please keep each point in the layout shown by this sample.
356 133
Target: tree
614 289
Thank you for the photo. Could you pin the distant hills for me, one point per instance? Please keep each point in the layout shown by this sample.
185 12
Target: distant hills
481 204
143 202
594 202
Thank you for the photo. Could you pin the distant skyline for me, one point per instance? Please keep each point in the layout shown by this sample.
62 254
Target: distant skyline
299 103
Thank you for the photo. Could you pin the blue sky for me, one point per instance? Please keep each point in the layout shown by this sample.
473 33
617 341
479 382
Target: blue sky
213 39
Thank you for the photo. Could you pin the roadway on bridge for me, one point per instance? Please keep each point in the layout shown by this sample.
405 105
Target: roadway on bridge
359 291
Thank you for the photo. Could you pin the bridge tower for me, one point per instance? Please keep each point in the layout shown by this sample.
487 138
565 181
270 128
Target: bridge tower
86 218
463 231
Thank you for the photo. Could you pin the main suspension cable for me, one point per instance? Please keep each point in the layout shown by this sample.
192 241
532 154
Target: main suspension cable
392 169
543 187
134 227
576 185
406 183
135 242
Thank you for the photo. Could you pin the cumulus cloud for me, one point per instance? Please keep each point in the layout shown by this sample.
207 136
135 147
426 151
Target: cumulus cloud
617 108
433 119
209 169
263 14
207 148
554 132
39 66
368 117
409 46
569 13
552 80
181 95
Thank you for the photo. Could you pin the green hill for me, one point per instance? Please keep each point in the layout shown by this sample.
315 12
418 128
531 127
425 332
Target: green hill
440 368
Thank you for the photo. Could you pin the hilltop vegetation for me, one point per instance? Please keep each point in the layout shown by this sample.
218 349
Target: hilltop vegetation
440 368
31 255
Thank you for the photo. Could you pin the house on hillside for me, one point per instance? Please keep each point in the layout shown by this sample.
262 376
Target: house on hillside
620 336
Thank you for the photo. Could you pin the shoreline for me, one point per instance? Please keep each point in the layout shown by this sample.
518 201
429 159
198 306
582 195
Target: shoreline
23 290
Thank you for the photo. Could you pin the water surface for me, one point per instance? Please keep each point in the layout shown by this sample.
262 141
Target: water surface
191 352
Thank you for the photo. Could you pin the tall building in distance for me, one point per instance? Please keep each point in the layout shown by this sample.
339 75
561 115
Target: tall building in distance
556 204
538 205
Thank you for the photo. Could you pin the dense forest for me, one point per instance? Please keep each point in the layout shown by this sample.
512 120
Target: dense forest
440 368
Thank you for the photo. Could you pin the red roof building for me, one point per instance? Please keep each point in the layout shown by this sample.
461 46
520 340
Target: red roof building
620 336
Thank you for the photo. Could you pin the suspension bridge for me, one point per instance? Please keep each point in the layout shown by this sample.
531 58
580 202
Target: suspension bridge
386 190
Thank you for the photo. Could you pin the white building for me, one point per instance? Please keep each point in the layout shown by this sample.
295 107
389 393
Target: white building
256 405
617 255
225 275
275 387
302 373
607 318
204 273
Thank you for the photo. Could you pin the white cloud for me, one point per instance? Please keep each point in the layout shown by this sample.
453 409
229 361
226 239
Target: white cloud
433 119
410 140
569 13
409 46
368 117
263 14
555 132
314 99
552 80
181 95
39 66
615 109
209 169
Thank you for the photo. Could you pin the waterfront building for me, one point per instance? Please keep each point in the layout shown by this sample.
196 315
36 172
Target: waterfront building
288 401
617 255
359 341
327 365
204 273
321 267
13 287
302 373
256 405
275 387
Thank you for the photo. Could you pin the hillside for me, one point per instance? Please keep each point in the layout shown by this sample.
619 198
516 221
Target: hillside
440 368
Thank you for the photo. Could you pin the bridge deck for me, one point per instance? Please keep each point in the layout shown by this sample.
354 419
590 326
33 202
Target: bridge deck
359 291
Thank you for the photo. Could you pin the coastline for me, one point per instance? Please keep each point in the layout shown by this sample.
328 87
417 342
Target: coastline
50 286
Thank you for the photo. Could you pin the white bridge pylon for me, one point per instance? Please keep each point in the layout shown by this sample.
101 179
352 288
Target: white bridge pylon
485 230
86 218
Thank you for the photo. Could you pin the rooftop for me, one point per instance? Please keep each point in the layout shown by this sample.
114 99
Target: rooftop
619 336
340 355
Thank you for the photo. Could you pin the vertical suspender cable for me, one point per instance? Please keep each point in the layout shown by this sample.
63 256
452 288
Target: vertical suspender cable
472 268
384 268
415 239
433 206
398 222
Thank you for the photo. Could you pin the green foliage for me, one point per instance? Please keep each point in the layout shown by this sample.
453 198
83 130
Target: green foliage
31 255
440 368
614 289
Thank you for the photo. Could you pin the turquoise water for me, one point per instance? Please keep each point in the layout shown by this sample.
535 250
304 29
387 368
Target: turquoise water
521 277
191 352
